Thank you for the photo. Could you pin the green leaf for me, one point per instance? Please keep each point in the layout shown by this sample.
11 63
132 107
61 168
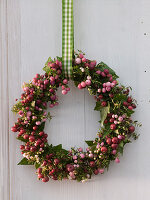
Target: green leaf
120 147
46 69
120 97
59 58
41 127
103 66
58 147
37 165
49 60
93 147
129 112
49 117
21 139
103 112
64 151
98 106
89 143
106 132
24 161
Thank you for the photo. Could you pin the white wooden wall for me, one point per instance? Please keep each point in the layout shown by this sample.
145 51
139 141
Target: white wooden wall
114 31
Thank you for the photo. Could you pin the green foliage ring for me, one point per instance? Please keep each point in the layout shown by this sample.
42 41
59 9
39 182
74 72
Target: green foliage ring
112 101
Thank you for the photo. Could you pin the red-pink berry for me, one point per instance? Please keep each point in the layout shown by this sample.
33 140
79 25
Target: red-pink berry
64 92
83 59
65 81
78 61
79 86
83 84
88 82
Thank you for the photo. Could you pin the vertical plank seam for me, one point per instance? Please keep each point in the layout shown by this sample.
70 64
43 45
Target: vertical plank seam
84 120
8 97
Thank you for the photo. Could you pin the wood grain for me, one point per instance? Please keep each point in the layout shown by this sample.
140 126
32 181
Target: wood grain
4 104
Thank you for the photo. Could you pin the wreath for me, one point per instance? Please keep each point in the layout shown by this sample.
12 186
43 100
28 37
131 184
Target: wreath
112 100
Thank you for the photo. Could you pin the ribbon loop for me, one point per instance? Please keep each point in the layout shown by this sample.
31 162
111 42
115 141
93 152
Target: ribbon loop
67 36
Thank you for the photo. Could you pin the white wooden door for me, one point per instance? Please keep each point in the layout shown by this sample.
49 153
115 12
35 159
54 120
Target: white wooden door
114 31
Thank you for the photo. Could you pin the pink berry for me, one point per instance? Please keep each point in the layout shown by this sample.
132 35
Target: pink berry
114 146
63 87
102 144
46 82
22 147
88 82
51 105
117 160
37 75
64 92
115 140
26 136
83 84
119 137
103 74
101 171
104 149
83 59
79 86
108 89
131 129
92 65
69 167
52 78
112 126
56 161
108 84
40 176
104 85
78 61
45 179
65 81
29 113
96 171
120 119
68 89
53 97
114 152
81 55
106 71
98 72
108 141
80 149
39 170
13 129
104 104
82 155
74 157
31 138
92 164
103 90
91 155
38 123
130 107
99 90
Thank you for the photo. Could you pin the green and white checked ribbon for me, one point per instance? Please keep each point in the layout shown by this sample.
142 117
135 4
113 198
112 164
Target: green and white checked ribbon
67 36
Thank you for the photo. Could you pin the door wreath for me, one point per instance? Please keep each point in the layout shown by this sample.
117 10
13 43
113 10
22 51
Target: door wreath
112 100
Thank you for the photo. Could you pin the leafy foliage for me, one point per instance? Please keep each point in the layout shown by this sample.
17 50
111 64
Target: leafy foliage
25 161
103 66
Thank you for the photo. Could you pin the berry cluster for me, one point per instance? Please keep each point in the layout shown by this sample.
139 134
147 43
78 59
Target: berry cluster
112 101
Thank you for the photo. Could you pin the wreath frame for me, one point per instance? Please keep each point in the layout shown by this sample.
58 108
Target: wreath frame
112 100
